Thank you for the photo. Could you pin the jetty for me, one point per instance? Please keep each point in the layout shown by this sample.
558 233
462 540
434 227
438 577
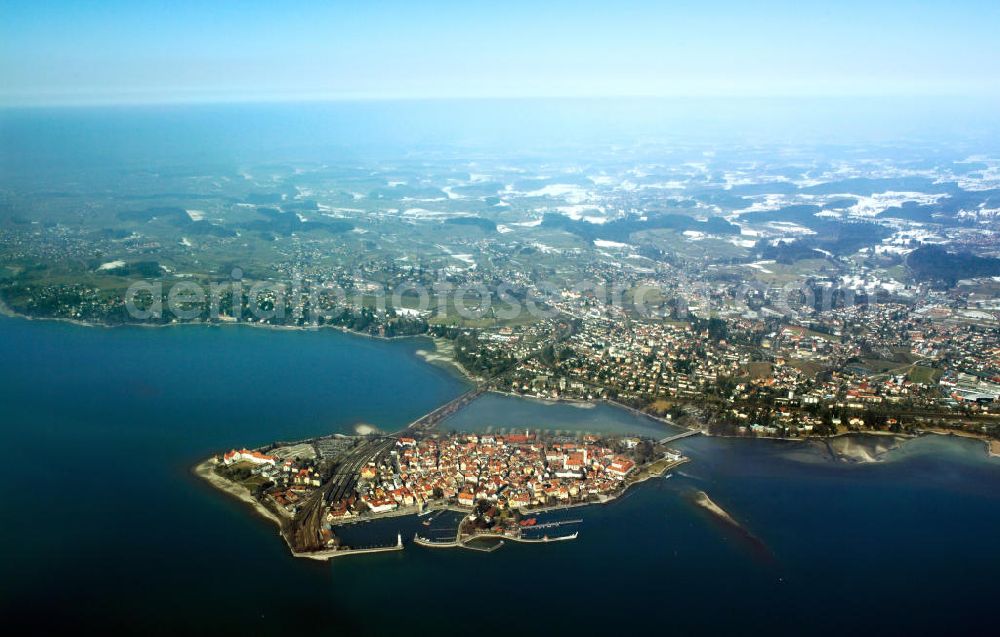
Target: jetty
433 544
553 524
332 553
458 542
545 538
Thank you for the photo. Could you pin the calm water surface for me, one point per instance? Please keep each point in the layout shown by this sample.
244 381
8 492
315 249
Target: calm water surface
104 525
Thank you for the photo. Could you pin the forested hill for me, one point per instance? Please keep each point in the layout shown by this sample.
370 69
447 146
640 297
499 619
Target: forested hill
931 263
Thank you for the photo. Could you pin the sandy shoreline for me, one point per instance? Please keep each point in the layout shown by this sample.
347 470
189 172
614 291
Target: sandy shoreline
992 444
443 355
5 310
206 471
701 499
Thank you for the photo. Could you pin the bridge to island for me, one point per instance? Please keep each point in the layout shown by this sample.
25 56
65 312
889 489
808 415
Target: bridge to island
683 434
430 419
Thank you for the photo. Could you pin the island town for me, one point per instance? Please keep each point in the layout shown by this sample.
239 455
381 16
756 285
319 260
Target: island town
499 484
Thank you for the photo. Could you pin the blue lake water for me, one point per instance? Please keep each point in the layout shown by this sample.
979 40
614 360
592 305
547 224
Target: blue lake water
105 526
493 413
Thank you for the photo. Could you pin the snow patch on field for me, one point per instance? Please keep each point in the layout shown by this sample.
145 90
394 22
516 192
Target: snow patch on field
568 192
664 185
578 213
759 265
545 249
902 242
423 214
789 227
878 203
449 191
603 243
985 179
764 203
732 179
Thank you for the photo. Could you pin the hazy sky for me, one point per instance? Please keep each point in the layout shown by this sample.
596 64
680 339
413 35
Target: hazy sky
133 51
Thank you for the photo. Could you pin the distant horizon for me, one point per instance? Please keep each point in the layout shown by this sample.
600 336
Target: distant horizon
249 100
113 52
507 124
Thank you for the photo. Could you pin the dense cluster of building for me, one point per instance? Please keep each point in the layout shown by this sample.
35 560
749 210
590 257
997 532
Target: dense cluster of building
518 470
934 357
